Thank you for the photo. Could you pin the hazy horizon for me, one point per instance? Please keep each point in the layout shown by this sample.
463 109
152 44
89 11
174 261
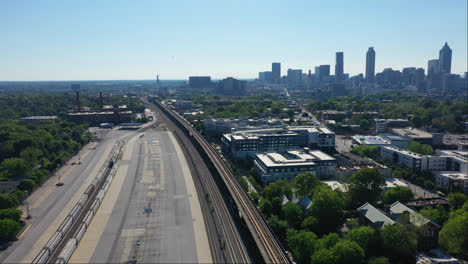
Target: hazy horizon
108 40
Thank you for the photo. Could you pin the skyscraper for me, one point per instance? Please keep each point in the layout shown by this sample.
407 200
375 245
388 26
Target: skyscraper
445 59
433 67
339 67
294 78
370 65
276 72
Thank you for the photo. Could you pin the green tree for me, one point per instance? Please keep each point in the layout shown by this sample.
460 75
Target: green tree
348 252
265 207
352 223
254 196
276 189
398 193
31 155
310 223
293 214
302 244
366 151
457 200
277 207
7 200
366 185
398 243
13 214
420 148
327 206
278 226
453 237
290 113
304 183
26 185
364 124
14 166
8 229
364 236
437 214
323 256
378 260
328 241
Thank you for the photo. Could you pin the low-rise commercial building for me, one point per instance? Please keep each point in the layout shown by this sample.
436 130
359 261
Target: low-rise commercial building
348 163
382 125
272 166
371 141
404 158
245 144
444 160
272 138
416 135
452 181
216 127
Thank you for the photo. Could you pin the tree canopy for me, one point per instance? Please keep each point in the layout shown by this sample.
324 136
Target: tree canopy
305 183
420 148
366 185
398 193
453 237
398 243
327 207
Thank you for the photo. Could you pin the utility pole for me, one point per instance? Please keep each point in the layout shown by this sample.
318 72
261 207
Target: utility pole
28 215
59 183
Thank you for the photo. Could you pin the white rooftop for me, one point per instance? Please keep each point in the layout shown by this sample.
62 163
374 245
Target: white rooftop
404 151
292 158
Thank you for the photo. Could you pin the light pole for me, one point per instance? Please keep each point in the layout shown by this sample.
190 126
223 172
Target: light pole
28 215
59 183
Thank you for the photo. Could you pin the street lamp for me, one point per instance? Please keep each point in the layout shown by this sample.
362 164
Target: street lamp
59 183
28 215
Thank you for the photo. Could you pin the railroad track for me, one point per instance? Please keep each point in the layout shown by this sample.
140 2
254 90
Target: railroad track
268 244
225 230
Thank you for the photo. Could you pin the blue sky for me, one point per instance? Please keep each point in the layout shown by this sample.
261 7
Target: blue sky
113 39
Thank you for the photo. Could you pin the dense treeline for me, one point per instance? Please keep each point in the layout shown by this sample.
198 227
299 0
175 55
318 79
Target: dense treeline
22 105
250 106
422 112
29 152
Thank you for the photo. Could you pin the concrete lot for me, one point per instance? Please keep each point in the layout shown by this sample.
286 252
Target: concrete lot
151 213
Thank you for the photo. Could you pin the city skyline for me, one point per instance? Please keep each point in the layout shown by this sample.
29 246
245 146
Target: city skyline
50 43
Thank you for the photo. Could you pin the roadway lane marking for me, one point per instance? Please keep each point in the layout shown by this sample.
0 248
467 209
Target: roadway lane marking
201 238
24 232
93 234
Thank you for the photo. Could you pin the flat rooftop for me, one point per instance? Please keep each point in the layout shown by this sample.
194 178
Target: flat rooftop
404 151
453 175
411 132
292 158
370 140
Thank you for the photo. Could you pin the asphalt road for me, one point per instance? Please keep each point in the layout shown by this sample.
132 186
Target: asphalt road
152 219
50 204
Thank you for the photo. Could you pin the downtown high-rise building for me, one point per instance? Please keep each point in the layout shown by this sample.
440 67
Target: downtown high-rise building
276 72
445 59
339 71
370 65
433 67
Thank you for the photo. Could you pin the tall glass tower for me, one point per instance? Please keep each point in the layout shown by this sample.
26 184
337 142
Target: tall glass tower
370 65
